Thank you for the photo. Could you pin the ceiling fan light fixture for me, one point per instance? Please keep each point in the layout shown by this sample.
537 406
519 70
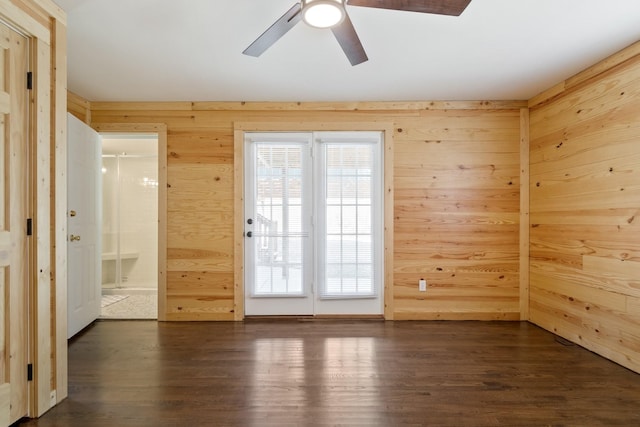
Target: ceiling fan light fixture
323 13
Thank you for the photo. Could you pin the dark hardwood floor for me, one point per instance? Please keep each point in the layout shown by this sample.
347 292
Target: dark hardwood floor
347 373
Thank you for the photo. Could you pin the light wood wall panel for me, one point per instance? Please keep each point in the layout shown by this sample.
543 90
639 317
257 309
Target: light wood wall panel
456 211
457 215
585 209
44 23
58 200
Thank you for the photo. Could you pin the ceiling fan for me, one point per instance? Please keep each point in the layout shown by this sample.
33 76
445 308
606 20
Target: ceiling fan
333 14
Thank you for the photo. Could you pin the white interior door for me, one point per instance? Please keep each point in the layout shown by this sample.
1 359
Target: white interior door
83 223
313 223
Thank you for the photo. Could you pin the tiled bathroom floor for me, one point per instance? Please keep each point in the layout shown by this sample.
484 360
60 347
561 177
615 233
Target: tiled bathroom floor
130 306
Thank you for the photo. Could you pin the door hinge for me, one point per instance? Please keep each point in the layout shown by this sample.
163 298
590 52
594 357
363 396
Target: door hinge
29 80
30 372
29 227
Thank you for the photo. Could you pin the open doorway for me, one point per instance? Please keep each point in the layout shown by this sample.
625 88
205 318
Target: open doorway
129 226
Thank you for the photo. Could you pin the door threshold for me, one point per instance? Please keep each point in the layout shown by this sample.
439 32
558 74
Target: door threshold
314 318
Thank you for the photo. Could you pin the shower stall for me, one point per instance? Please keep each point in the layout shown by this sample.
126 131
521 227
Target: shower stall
130 216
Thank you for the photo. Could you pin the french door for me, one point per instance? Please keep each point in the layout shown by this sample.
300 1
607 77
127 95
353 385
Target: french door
15 246
313 223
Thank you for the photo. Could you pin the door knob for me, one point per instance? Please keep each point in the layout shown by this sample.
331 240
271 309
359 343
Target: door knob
72 213
74 238
249 234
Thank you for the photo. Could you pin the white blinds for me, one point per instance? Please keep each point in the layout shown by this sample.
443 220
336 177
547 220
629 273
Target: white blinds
349 213
279 232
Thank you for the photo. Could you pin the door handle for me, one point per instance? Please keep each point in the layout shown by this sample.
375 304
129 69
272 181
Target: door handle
72 213
249 234
74 238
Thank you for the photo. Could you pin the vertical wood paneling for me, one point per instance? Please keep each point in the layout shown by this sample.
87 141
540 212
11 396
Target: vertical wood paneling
239 215
455 173
60 385
524 214
389 221
585 205
17 189
162 222
42 343
44 23
5 399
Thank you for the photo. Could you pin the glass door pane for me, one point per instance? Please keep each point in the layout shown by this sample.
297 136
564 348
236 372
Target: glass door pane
278 250
348 270
278 223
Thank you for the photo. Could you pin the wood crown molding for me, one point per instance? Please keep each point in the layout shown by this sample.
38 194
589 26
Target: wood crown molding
628 55
307 106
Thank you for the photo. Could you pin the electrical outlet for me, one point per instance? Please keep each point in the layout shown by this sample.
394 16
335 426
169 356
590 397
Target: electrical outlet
422 285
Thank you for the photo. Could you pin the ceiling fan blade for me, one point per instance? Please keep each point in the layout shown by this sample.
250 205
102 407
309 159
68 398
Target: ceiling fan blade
439 7
275 32
350 42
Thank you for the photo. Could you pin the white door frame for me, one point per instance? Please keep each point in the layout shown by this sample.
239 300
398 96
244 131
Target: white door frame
385 217
309 126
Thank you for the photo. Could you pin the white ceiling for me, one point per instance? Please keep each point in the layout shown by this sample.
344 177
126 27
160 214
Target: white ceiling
190 50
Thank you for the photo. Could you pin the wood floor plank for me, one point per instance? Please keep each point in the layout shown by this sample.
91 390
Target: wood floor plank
338 372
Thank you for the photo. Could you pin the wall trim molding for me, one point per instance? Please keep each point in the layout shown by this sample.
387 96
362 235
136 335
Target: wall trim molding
308 106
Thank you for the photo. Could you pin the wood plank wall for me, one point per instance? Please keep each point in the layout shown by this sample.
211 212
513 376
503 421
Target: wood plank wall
457 178
45 24
456 174
585 209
